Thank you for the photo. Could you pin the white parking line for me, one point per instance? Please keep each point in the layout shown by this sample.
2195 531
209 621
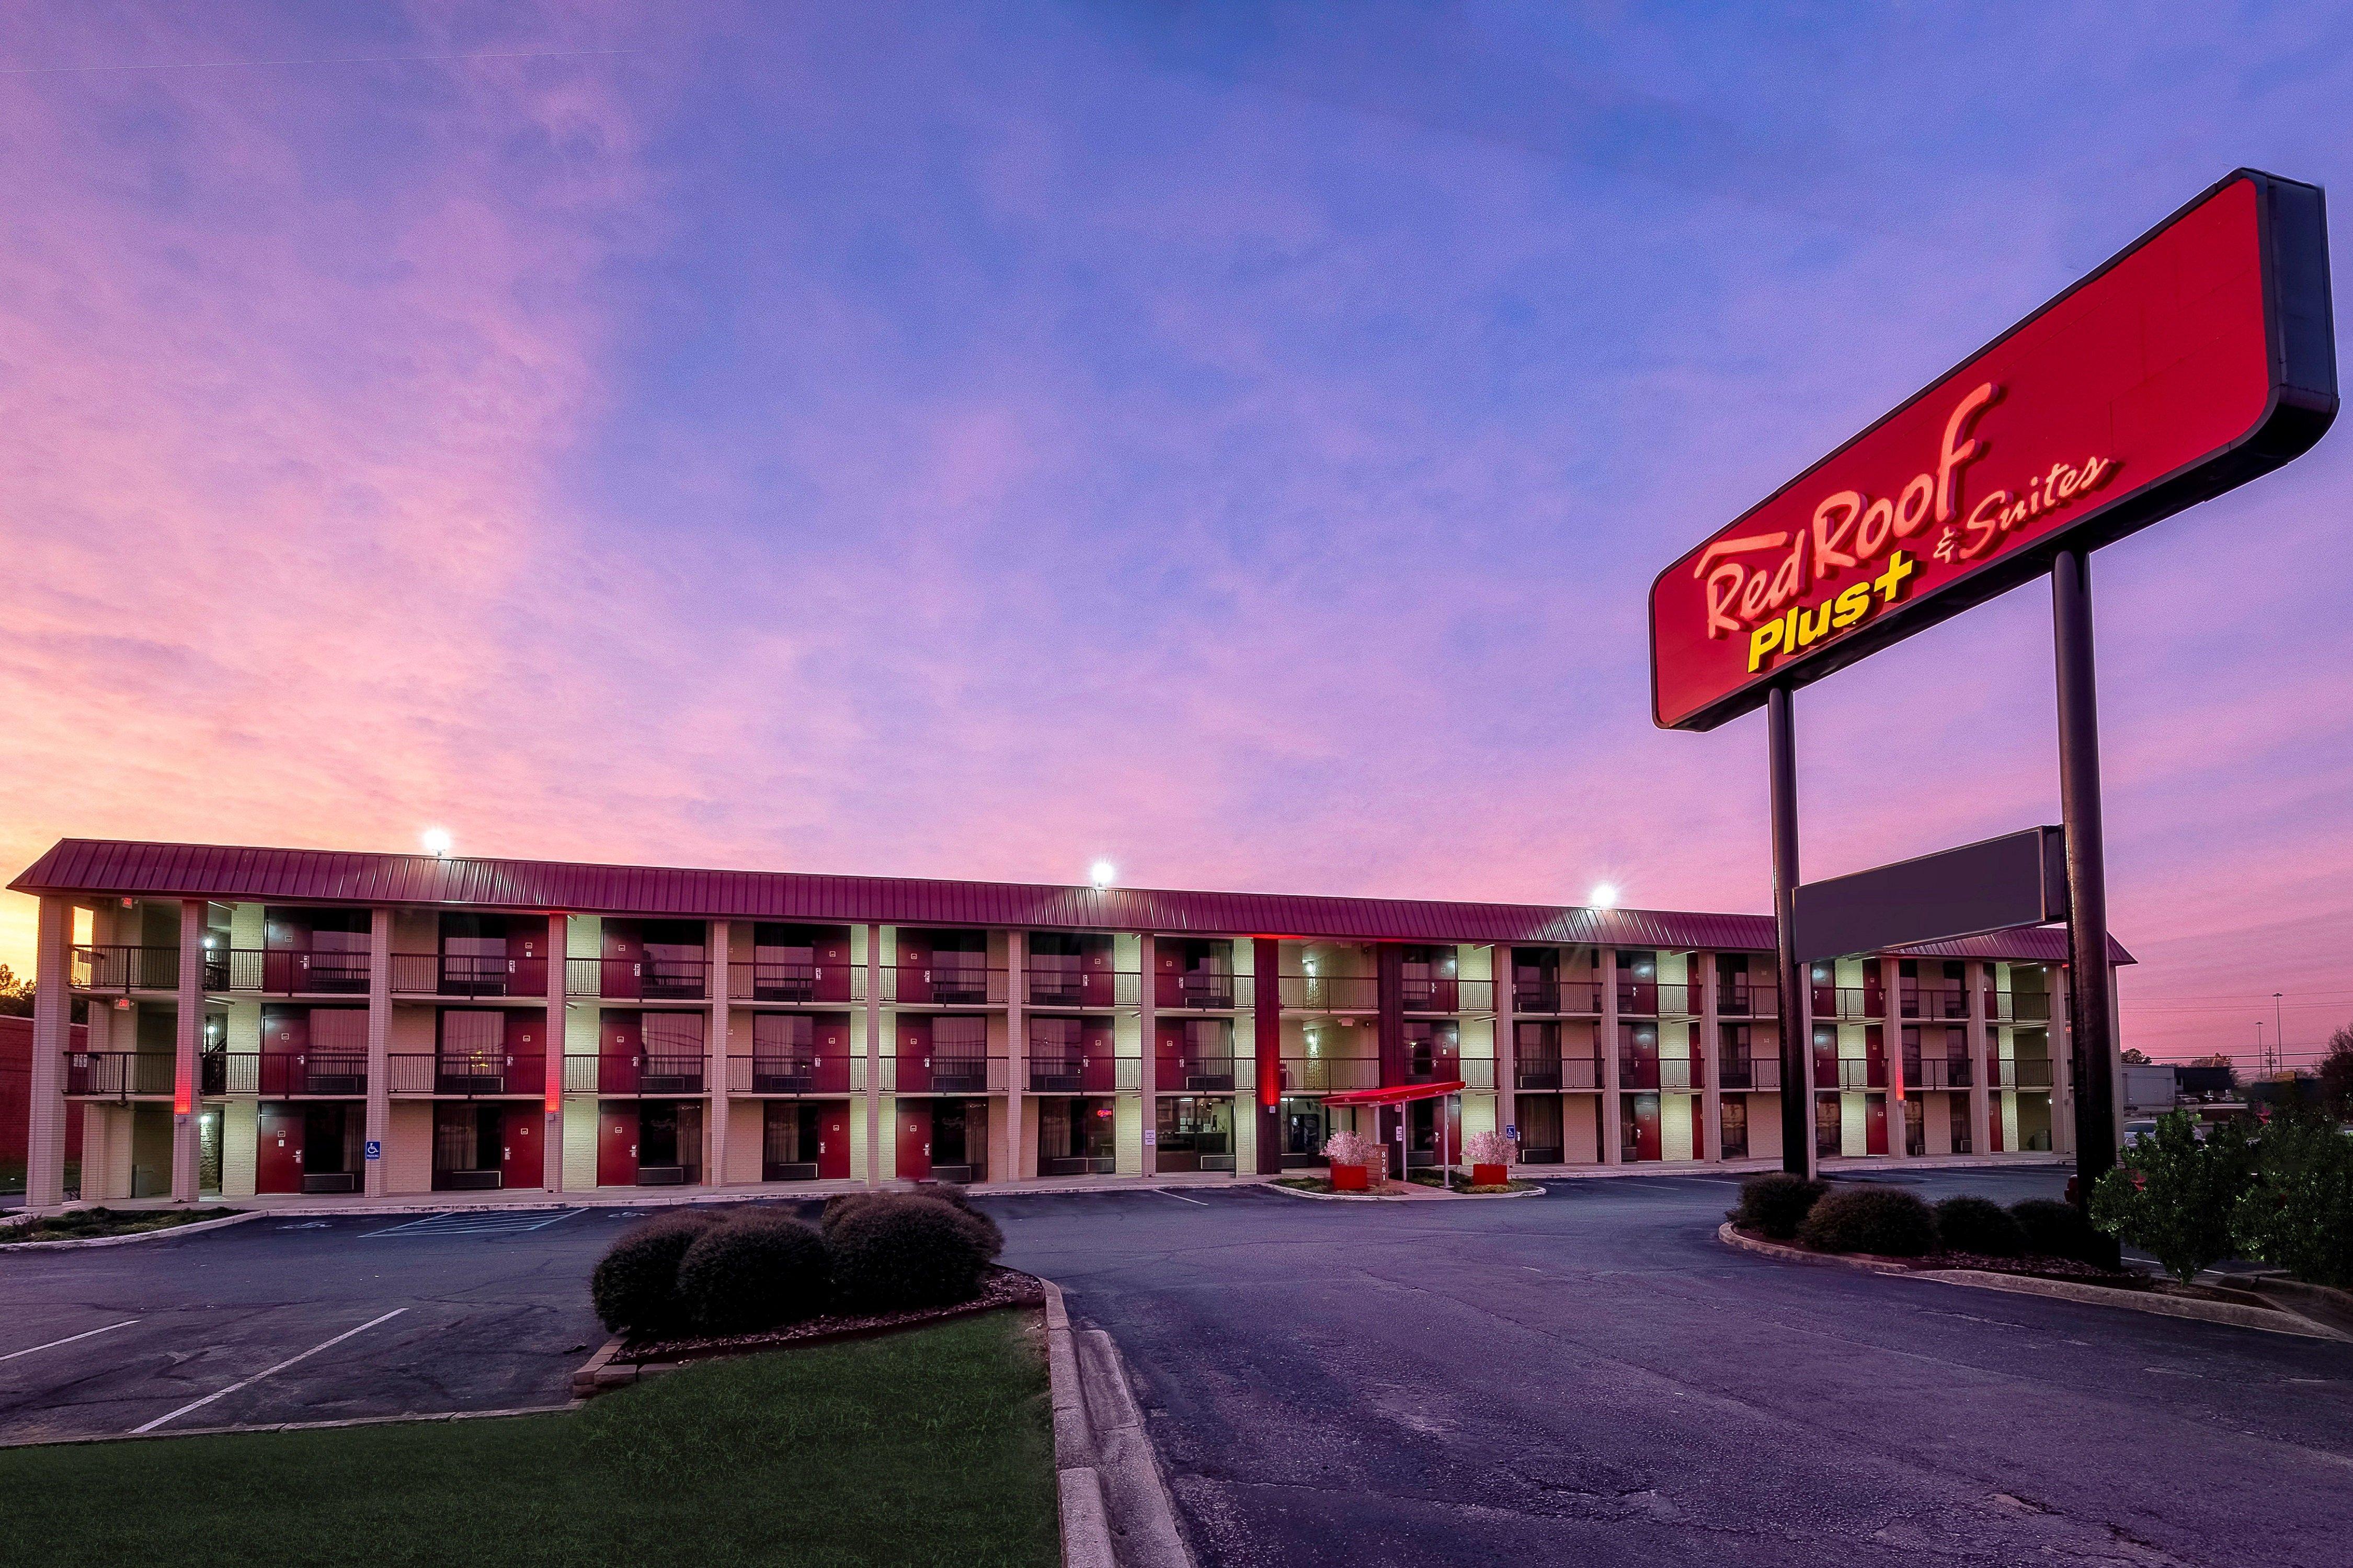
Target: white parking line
269 1372
1180 1197
70 1339
467 1222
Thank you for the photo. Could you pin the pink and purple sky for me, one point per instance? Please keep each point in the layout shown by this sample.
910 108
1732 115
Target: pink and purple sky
1231 441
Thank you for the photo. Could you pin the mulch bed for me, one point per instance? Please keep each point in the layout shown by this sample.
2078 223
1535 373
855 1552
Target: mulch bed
998 1287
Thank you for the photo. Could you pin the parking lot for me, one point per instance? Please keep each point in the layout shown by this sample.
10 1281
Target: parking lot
1586 1375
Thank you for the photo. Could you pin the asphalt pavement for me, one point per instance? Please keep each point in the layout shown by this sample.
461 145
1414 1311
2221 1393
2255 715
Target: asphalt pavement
1590 1377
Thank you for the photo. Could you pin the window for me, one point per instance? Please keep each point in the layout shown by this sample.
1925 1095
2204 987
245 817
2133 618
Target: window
1735 1128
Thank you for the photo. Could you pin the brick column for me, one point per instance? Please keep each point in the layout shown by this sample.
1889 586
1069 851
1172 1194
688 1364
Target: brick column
45 1168
1266 1040
189 1041
1708 1048
377 1173
1147 1073
1611 1153
1891 1001
1977 977
1507 1044
874 1160
559 936
1016 1047
721 1022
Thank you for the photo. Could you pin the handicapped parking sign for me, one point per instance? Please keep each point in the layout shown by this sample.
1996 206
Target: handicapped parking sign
375 1149
1510 1132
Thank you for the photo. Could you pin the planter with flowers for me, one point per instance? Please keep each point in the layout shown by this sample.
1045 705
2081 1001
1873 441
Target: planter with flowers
1489 1155
1352 1158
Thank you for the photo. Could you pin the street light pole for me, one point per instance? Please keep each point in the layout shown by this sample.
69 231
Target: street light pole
1797 1099
2091 1023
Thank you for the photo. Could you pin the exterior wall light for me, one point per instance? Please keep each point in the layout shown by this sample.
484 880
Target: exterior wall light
436 842
1605 896
1101 874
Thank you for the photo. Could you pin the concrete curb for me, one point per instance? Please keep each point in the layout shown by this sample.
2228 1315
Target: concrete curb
193 1228
1114 1506
2280 1322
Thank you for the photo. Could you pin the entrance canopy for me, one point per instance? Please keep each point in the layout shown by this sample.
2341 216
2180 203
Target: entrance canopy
1399 1095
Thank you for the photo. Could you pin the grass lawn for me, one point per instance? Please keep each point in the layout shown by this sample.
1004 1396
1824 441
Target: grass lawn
934 1446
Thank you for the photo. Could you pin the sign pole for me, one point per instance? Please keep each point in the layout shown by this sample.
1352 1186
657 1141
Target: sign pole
2090 1026
1796 1113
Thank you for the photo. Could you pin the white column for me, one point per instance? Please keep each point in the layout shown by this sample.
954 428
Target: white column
1611 1155
874 1155
716 1071
1148 1017
1977 977
186 1147
559 937
2059 1043
1507 1037
1891 1002
1016 1049
377 1173
1710 1143
45 1169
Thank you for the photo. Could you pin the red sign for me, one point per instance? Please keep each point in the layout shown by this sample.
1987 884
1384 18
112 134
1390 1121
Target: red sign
2196 359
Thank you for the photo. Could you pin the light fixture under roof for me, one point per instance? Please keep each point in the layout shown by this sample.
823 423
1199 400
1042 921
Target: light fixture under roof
437 841
1605 896
1101 874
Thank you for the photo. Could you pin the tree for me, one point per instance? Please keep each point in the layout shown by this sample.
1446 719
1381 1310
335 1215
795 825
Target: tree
15 995
2336 1075
2298 1211
2175 1197
2135 1056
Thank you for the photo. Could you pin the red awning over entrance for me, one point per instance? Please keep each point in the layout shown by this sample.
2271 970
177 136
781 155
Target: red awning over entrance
1398 1095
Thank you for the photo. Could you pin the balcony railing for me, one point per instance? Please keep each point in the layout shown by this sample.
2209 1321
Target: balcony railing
2019 1072
1332 993
1649 999
1857 1003
467 974
629 1073
774 980
276 1075
1949 1002
1476 1072
1075 1075
1938 1072
1655 1072
1047 987
1750 1001
788 1072
120 1073
286 972
1557 998
945 986
422 1073
1194 1074
1449 997
938 1074
1204 991
1852 1074
1540 1073
2018 1006
639 979
122 968
1320 1075
1748 1073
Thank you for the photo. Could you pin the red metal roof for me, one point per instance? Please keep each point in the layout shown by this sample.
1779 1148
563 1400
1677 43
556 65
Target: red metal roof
111 867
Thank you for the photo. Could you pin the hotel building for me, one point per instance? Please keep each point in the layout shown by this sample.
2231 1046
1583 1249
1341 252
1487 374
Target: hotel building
292 1021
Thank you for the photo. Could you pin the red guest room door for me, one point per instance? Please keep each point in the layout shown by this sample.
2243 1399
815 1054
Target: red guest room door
625 961
521 1160
915 1142
278 1162
833 1143
616 1145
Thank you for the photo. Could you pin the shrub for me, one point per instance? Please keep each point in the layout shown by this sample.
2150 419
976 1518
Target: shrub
754 1271
1981 1225
1353 1149
2297 1212
1884 1220
838 1204
896 1250
2049 1228
1776 1205
2174 1196
635 1284
1488 1149
992 1238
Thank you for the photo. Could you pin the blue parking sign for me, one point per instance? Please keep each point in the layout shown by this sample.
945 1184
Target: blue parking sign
375 1149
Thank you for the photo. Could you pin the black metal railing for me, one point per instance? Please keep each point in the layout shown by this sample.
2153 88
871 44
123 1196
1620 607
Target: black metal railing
287 972
639 979
1195 1073
1652 999
1051 986
1331 993
118 967
1938 1072
467 974
1949 1002
2018 1006
1537 1073
789 1072
276 1075
1849 1073
475 1075
1203 990
121 1074
1446 995
1560 998
813 985
1322 1075
1850 1002
1754 1000
945 1073
937 984
634 1073
1748 1072
1074 1074
2019 1072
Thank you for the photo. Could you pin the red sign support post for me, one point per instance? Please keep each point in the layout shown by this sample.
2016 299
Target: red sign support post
2199 357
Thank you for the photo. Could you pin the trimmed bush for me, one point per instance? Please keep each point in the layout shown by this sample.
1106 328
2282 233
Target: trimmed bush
2050 1228
838 1204
1774 1206
635 1284
896 1250
1887 1221
1980 1225
991 1236
752 1272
